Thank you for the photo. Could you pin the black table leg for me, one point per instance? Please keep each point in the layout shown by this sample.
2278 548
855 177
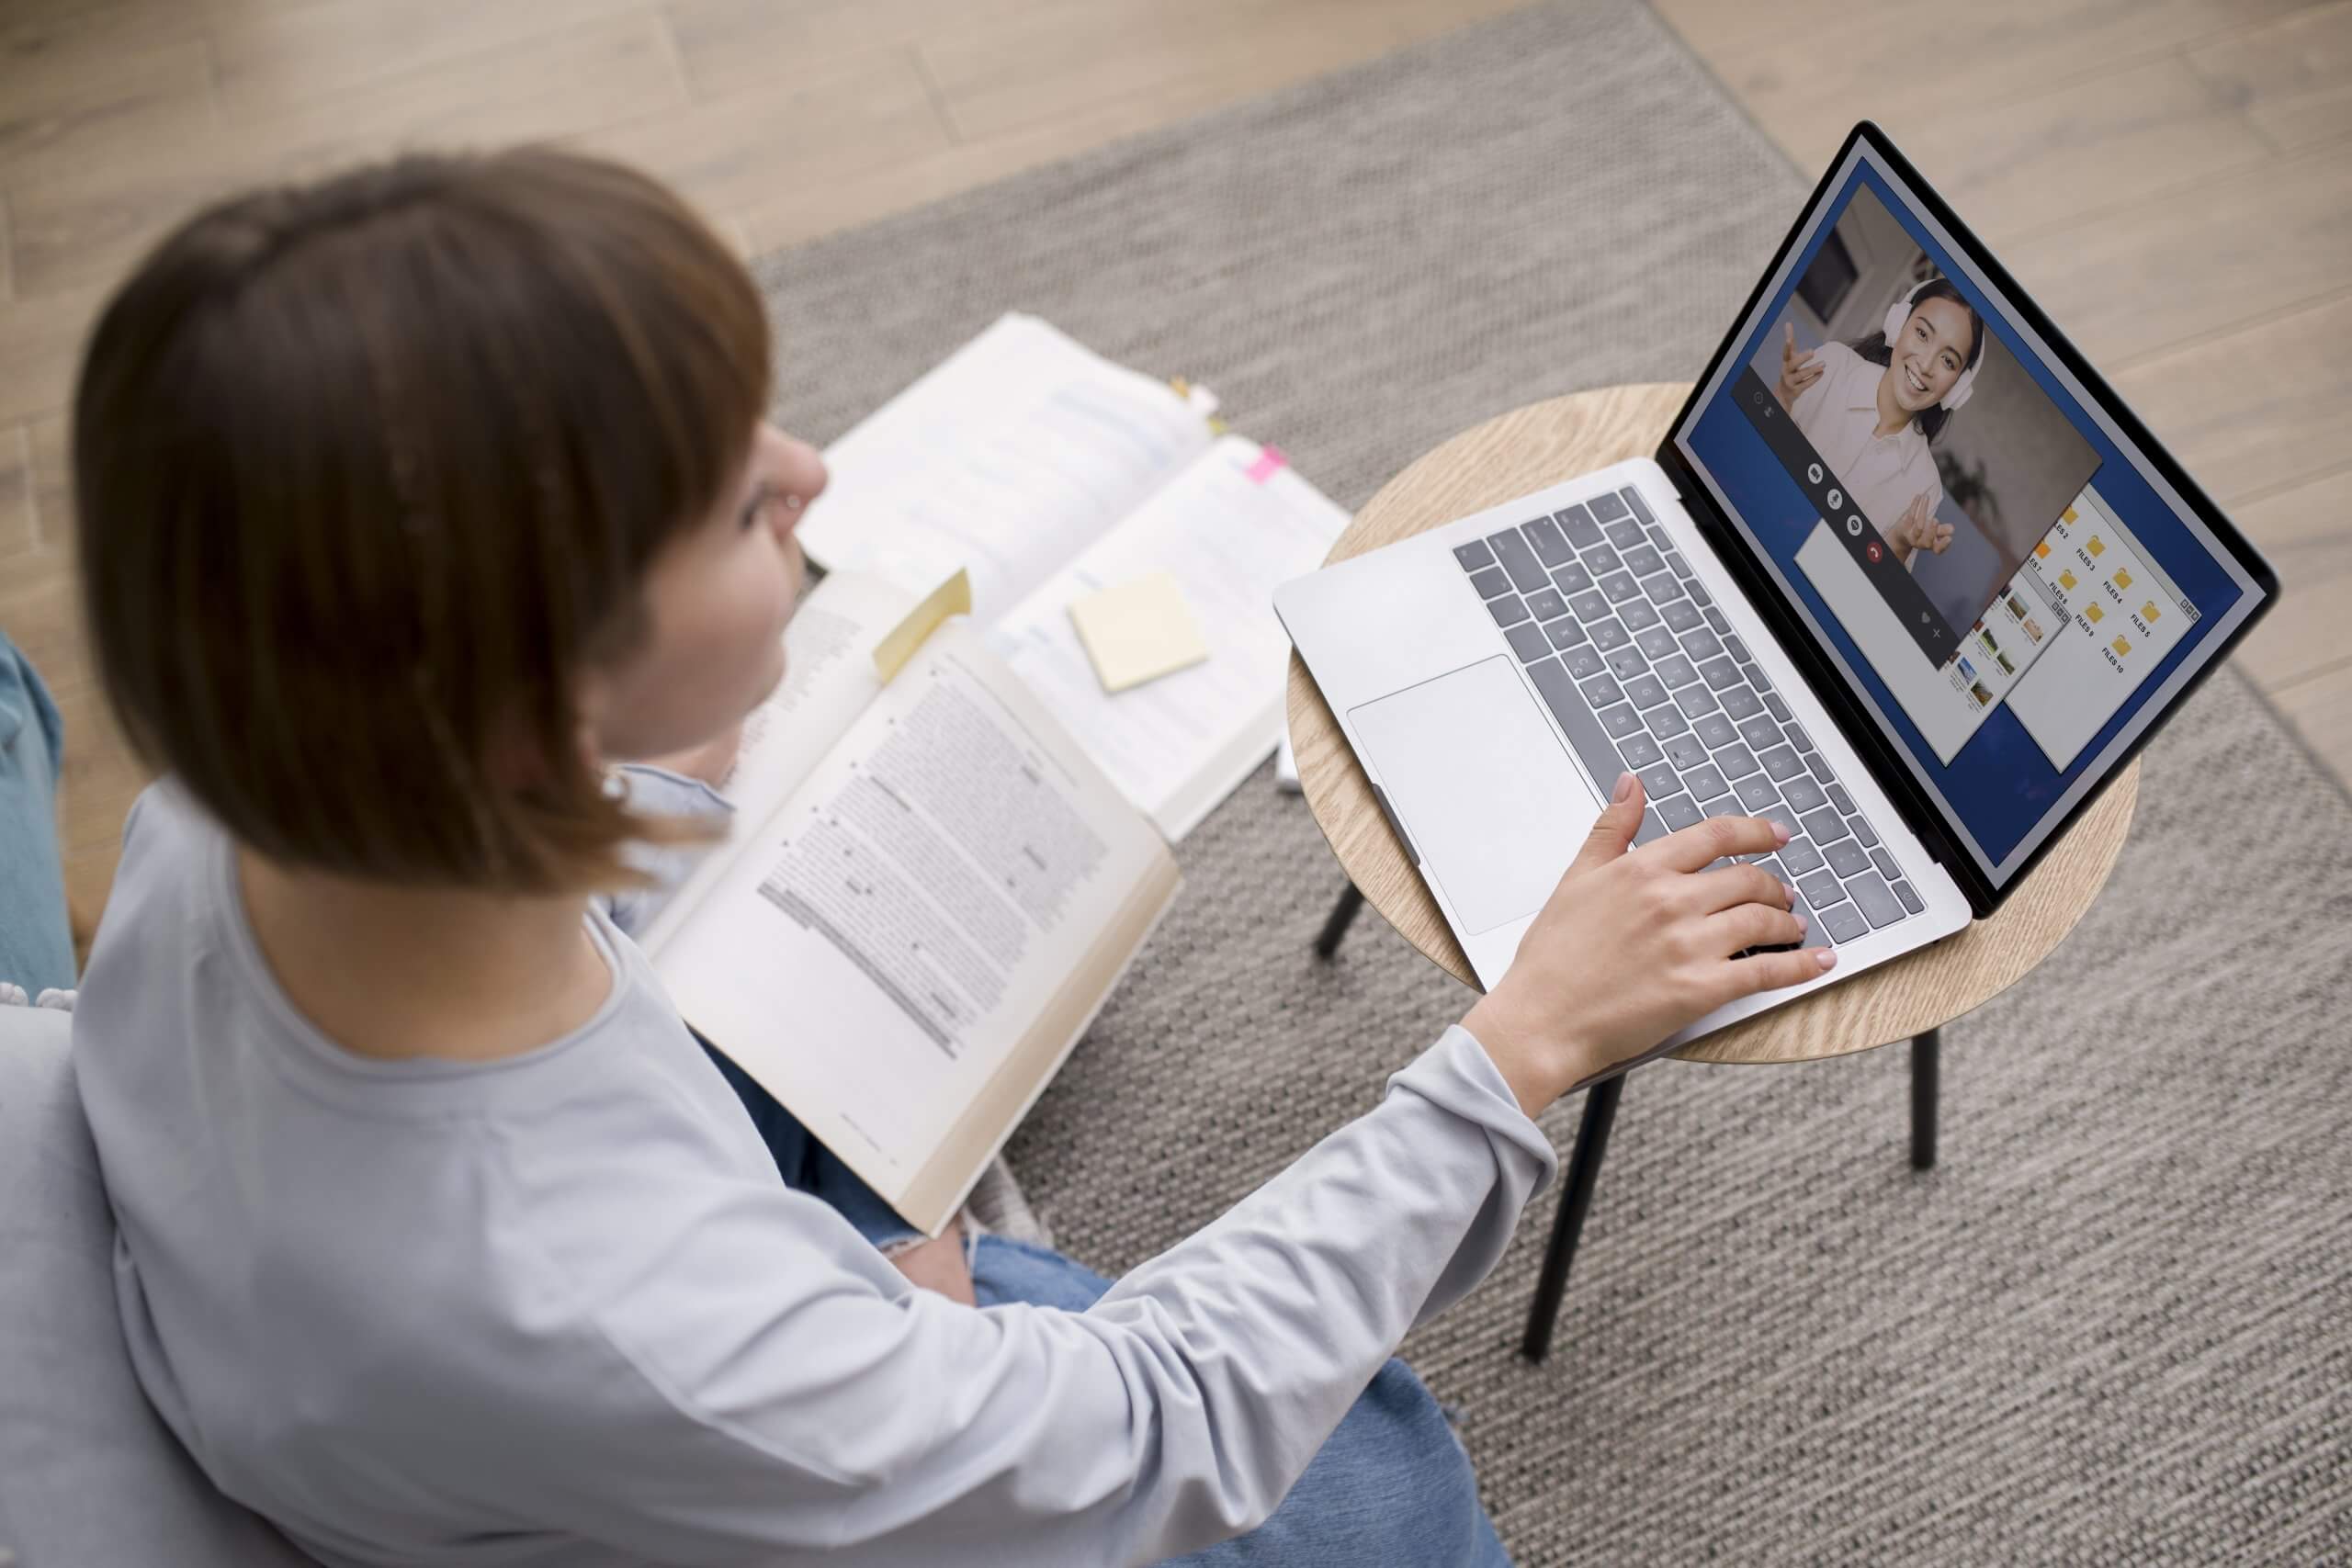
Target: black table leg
1568 1223
1343 914
1926 1051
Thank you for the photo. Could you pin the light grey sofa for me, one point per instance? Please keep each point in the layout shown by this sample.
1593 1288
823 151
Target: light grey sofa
89 1476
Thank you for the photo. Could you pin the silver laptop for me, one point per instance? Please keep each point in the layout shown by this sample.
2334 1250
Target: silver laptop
1905 575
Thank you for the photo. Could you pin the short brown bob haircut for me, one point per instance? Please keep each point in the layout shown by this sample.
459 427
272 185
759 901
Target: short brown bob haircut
370 472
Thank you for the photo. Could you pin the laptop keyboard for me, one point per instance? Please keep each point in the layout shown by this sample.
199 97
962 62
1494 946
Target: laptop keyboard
1645 675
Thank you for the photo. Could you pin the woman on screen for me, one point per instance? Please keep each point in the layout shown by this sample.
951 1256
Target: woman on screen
1872 408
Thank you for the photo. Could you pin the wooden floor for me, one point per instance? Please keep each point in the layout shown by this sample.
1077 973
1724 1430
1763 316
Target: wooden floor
2173 178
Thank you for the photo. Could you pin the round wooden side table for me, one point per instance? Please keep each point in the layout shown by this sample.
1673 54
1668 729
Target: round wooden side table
1910 998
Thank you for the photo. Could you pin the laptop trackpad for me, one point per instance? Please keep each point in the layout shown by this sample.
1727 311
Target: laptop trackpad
1486 791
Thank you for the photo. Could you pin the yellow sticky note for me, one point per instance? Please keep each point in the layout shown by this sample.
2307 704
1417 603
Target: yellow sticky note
1138 631
2121 647
2066 579
2148 612
953 597
2042 550
2068 515
2096 545
2123 578
2095 613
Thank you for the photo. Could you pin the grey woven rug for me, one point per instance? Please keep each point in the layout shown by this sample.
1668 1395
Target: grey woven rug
2114 1325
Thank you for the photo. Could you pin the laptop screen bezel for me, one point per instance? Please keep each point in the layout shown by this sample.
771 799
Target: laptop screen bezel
1923 812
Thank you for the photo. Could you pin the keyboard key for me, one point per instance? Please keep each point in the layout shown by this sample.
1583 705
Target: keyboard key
1608 635
1840 799
1876 899
1796 732
1600 560
1699 594
1755 678
1825 827
1578 525
1673 669
1491 582
1608 508
1509 610
1665 720
1720 673
1702 645
1621 721
1656 641
1848 858
1658 781
1680 812
1586 736
1802 792
1681 567
1552 550
1780 707
1687 752
1885 863
1625 532
1627 662
1741 703
1682 614
1474 554
1758 730
1821 890
1862 831
1528 642
1736 760
1588 605
1696 701
1585 660
1571 579
1663 589
1844 923
1787 818
1601 691
1653 827
1526 571
1704 783
1820 766
1799 856
1619 586
1641 560
1715 731
1546 604
1755 792
1640 752
1565 632
1911 901
1645 691
1725 805
1738 648
1781 764
1633 499
1638 616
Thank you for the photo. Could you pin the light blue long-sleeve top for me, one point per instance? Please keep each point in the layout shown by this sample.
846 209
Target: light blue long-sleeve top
561 1307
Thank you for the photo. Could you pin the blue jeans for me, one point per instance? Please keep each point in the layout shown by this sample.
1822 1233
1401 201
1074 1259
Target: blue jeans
36 940
1391 1486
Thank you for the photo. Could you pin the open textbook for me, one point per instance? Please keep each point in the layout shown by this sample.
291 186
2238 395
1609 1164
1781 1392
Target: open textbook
1048 473
926 893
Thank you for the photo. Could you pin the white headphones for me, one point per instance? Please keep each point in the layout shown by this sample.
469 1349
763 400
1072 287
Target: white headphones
1900 312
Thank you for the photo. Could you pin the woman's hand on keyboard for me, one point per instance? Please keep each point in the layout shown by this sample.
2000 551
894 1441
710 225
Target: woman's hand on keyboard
1634 944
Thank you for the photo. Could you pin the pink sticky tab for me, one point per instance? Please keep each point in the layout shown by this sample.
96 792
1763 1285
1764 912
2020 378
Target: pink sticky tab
1271 460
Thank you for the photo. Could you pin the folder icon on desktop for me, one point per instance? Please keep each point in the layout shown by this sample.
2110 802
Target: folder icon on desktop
2121 647
2148 612
2096 545
2095 613
2042 550
2067 516
2066 579
2123 578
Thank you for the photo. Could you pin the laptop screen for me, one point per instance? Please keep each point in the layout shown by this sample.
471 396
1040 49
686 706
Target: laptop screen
2009 584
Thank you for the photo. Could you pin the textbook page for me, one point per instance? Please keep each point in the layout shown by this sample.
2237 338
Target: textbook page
1230 527
1007 458
829 680
905 951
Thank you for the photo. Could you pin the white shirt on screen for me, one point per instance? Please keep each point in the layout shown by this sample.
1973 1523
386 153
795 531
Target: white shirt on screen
1839 414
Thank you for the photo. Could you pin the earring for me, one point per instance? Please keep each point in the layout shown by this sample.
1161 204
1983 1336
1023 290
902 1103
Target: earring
792 503
615 786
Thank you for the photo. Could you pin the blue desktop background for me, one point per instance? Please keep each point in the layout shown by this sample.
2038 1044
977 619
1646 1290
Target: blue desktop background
1999 785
